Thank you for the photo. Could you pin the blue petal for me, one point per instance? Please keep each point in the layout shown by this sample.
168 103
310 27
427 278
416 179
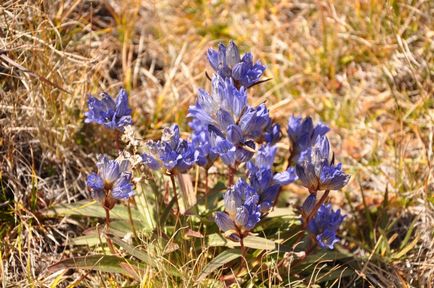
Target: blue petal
235 135
150 161
122 188
308 204
224 222
95 182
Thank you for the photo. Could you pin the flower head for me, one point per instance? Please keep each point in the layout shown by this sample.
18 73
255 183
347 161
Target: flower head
204 154
303 134
242 211
113 114
325 224
316 172
233 125
113 179
266 183
171 152
228 63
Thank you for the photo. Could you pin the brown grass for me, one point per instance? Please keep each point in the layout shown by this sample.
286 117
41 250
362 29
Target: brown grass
364 67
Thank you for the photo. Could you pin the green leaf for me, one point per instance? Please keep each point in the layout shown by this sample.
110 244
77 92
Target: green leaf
103 263
335 273
282 212
221 259
134 251
250 242
406 249
259 243
90 209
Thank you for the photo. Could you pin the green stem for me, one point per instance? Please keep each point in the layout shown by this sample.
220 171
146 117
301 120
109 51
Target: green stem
130 216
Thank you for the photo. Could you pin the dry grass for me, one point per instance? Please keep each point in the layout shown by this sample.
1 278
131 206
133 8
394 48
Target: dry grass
364 67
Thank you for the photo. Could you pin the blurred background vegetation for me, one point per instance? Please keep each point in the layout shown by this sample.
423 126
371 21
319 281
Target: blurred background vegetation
364 67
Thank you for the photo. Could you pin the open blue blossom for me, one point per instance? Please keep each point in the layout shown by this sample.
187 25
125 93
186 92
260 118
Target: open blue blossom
242 211
303 134
316 172
113 114
233 125
113 179
228 63
266 183
171 152
324 225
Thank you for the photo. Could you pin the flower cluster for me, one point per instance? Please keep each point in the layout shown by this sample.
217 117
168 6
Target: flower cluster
224 126
316 171
324 226
242 210
228 63
171 152
232 124
113 114
113 180
266 183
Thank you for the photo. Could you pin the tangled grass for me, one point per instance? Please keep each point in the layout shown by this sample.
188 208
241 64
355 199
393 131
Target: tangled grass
364 67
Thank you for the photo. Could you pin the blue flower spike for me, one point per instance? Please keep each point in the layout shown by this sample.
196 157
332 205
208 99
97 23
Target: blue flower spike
230 124
325 225
316 172
172 152
109 112
112 181
228 63
242 211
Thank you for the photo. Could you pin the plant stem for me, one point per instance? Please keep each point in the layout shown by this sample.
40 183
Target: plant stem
316 207
232 170
107 231
130 216
175 195
117 140
206 181
243 253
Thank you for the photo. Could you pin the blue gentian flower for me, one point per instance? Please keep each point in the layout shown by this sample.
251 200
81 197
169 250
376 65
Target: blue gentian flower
316 172
266 183
204 154
113 179
324 225
171 152
232 124
228 63
303 134
242 211
272 133
113 114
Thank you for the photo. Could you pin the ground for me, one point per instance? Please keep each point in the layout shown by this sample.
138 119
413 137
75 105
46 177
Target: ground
363 67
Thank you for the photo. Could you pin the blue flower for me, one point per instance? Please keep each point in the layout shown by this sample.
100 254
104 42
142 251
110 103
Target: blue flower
303 134
266 183
242 211
272 133
112 180
324 225
228 63
316 172
113 114
204 154
171 152
233 125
